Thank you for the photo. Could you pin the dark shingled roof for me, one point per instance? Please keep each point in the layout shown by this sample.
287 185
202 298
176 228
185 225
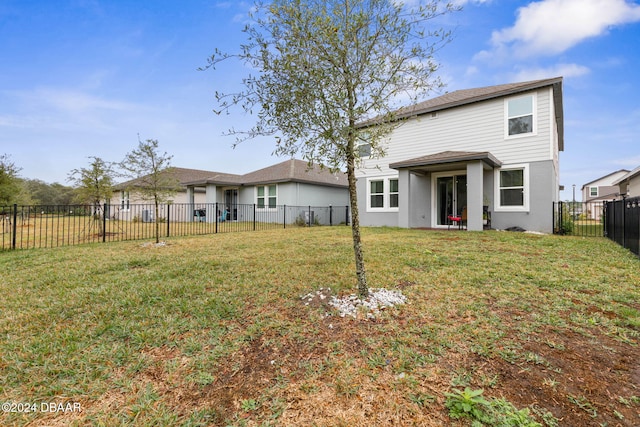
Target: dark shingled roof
182 175
288 171
447 157
297 171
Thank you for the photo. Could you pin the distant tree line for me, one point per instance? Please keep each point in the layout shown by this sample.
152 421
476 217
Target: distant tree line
93 184
24 191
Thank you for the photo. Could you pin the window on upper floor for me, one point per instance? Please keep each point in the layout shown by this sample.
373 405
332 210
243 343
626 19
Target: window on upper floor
364 150
520 116
593 191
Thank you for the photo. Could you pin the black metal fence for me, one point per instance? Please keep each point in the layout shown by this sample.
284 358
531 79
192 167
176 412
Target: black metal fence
579 218
25 227
622 223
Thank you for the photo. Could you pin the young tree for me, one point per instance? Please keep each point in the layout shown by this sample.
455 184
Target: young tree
10 183
94 184
329 75
152 176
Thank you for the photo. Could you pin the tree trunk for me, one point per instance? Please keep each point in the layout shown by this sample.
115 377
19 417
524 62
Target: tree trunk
363 288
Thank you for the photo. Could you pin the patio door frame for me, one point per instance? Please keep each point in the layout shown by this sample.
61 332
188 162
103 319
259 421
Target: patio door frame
435 191
230 197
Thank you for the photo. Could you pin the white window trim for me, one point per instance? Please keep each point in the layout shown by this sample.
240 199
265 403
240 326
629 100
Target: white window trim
386 194
526 188
534 119
125 201
597 191
266 197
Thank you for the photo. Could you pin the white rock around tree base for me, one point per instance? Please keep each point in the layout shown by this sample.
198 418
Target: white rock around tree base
351 305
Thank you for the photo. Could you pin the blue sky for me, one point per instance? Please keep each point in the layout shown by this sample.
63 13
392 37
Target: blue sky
82 78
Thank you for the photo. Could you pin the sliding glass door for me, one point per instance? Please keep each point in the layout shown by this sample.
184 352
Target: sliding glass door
451 197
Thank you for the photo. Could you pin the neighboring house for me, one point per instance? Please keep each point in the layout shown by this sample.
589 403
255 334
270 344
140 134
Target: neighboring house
489 152
629 184
600 190
291 183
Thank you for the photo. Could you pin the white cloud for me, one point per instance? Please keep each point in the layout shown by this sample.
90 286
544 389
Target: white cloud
71 101
549 27
564 70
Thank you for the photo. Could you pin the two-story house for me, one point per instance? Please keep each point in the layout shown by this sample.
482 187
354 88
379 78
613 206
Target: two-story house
472 154
603 188
629 183
595 193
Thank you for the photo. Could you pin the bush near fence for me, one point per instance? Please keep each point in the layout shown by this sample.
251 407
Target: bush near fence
53 226
584 219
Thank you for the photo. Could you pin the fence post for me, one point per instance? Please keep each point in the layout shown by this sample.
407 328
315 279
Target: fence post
346 218
624 222
104 222
284 216
254 217
330 215
15 225
168 219
215 215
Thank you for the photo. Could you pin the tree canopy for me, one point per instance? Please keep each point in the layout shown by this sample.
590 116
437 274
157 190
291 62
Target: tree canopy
151 175
94 184
10 187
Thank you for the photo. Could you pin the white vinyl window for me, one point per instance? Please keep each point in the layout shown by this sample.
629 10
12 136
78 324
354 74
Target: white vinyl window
382 194
393 193
124 200
593 191
520 116
364 150
267 196
512 188
376 193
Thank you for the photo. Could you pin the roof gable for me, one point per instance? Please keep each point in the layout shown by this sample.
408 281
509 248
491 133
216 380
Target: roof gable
469 96
629 175
609 179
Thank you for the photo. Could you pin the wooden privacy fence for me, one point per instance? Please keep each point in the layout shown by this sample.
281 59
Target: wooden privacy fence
25 227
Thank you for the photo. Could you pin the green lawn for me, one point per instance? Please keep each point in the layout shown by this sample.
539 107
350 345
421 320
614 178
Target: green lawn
213 330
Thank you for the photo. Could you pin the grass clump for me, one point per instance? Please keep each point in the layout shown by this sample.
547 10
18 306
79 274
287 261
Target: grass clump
471 404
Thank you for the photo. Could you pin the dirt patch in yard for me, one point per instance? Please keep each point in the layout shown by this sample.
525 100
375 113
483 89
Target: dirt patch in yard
583 380
325 377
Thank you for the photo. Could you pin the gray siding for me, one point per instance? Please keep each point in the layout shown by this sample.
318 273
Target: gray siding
540 214
477 127
300 194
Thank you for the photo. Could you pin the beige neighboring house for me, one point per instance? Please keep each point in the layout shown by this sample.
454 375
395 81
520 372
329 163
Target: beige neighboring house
599 191
208 193
629 184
